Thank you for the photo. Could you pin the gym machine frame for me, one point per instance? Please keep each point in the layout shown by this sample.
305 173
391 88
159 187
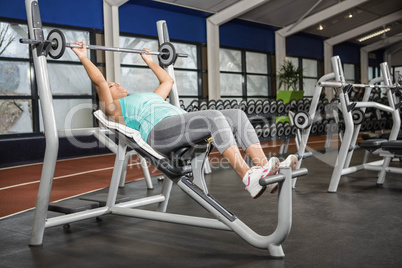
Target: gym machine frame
302 135
352 132
190 178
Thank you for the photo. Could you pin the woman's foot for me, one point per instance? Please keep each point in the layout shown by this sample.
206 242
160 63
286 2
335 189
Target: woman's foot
271 168
252 181
290 161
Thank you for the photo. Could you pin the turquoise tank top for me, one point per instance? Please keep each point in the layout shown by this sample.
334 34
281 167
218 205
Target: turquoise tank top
142 111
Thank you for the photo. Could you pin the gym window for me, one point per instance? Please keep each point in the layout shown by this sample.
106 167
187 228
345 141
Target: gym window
137 77
310 69
73 95
244 74
349 73
16 99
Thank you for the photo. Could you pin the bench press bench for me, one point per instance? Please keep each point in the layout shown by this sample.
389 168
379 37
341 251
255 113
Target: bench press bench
185 168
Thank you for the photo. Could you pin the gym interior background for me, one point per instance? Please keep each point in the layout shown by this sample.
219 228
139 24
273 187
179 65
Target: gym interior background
247 58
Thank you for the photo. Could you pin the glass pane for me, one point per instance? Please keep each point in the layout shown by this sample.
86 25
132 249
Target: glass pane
186 82
257 85
136 80
14 32
71 113
295 61
370 73
256 63
191 61
309 86
71 36
310 68
14 78
349 72
231 84
398 75
16 116
230 60
69 80
136 43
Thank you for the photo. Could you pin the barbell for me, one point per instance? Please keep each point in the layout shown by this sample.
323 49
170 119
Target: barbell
57 44
342 84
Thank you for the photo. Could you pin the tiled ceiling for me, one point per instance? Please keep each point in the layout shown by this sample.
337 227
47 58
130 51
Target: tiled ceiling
281 13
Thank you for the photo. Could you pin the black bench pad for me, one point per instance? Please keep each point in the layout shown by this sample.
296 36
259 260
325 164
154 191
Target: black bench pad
394 147
372 144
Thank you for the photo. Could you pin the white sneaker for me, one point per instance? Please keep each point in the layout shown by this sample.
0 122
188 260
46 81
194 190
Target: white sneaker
291 161
251 180
271 168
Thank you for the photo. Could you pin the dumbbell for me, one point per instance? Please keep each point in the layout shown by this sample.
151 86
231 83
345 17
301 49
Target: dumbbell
182 106
320 127
293 104
293 130
250 107
280 129
211 105
258 107
203 106
227 105
258 130
193 106
273 131
265 131
320 106
234 104
219 105
266 107
383 123
307 104
273 107
243 105
314 128
300 106
280 107
288 129
287 108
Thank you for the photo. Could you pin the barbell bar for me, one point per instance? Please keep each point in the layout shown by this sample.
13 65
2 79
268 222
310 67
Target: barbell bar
57 44
341 84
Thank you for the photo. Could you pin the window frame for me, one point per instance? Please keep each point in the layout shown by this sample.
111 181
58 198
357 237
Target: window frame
34 95
271 78
199 71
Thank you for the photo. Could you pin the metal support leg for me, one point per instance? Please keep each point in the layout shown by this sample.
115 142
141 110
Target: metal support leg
51 135
116 175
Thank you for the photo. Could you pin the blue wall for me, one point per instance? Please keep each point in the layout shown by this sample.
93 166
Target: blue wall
140 16
72 12
140 19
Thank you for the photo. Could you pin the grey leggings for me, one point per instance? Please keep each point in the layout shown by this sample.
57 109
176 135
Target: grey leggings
226 127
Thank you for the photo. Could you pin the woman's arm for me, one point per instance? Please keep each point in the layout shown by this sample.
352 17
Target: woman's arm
108 105
166 82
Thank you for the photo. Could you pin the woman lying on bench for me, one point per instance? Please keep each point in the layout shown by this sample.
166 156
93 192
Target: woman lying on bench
166 127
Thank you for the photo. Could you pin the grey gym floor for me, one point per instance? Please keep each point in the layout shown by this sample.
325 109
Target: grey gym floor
359 226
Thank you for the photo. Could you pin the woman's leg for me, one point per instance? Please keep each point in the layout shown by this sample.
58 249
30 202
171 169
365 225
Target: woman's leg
190 128
187 129
246 136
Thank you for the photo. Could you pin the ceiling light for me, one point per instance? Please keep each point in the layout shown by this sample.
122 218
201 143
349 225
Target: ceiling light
350 15
320 27
374 34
